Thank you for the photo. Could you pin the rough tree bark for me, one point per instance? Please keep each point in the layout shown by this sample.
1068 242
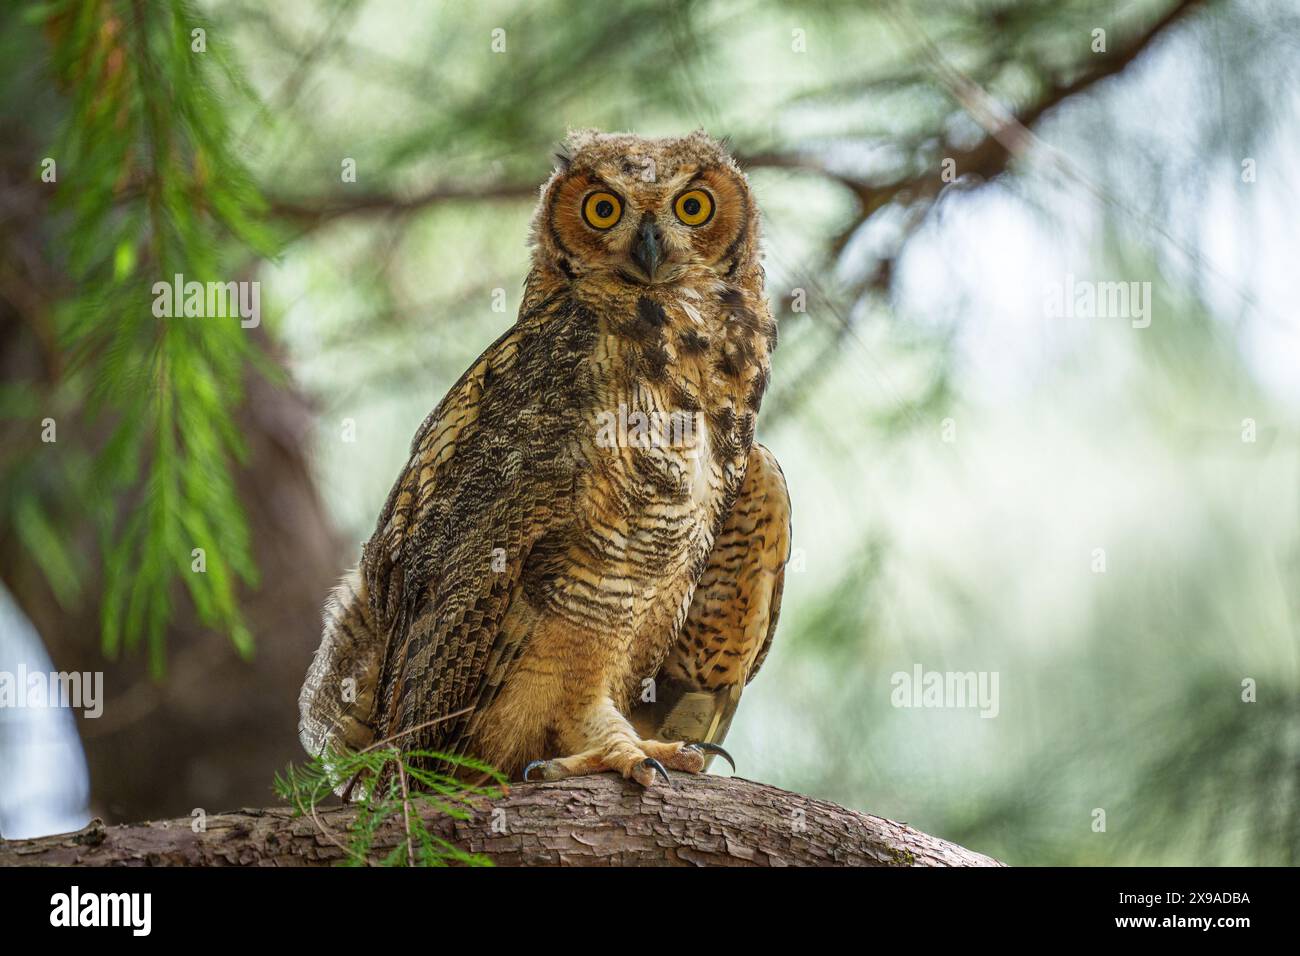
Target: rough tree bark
588 821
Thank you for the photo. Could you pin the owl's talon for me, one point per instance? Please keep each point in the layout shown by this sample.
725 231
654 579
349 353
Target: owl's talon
531 767
715 749
651 764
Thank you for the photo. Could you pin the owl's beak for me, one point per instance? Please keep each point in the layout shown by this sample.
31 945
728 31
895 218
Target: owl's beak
648 250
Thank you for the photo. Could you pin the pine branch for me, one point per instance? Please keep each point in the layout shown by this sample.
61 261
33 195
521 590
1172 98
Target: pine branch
378 778
155 191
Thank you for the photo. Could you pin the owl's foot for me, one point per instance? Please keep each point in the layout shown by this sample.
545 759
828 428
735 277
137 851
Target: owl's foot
639 760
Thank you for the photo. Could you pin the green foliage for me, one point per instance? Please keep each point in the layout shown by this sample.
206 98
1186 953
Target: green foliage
152 189
398 789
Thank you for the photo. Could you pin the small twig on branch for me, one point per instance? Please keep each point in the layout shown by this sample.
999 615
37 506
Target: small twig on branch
406 811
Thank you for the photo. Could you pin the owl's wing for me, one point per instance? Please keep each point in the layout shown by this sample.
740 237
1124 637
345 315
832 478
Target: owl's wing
732 617
492 469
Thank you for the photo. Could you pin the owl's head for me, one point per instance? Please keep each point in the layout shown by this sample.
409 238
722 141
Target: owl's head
646 212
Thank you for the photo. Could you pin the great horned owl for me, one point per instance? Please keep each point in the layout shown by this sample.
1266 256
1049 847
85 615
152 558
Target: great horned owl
581 565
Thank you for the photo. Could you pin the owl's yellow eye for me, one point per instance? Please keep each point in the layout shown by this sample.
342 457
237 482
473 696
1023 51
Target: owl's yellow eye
602 210
694 207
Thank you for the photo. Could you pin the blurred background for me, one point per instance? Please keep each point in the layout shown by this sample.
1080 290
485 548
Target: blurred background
1099 509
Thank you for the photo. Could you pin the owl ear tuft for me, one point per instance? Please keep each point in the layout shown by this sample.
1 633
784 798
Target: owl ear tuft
576 140
563 162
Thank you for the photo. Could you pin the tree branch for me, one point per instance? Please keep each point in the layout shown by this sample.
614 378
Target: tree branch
989 157
600 820
986 159
312 212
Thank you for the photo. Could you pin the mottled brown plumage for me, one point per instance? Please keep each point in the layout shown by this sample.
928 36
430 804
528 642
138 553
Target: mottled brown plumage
586 536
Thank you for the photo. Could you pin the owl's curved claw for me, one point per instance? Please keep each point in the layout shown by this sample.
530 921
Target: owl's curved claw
651 764
531 767
715 749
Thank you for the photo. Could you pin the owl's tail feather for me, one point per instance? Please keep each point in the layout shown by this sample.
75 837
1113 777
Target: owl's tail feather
337 703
